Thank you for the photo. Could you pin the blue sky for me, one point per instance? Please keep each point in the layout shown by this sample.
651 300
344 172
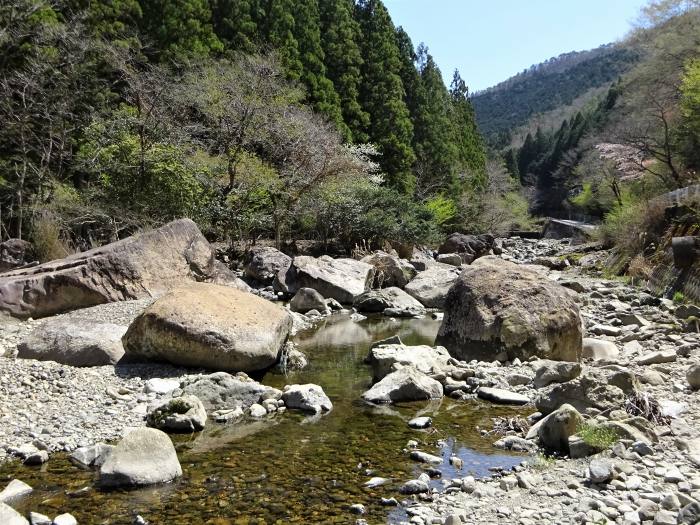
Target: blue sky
491 40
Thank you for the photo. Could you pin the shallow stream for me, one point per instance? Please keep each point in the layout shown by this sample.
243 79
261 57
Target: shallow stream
291 468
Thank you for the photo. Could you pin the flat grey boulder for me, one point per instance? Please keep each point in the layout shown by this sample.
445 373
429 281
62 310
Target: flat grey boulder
220 391
390 271
210 326
498 306
385 358
82 343
137 267
394 299
15 490
9 516
406 384
586 391
309 398
657 358
91 456
501 396
307 299
262 263
599 349
424 457
453 259
430 287
549 372
339 279
179 414
144 456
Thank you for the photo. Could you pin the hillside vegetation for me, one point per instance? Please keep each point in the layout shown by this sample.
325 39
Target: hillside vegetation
543 87
637 140
272 118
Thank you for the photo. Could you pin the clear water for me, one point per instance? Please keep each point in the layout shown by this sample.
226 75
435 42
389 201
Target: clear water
291 468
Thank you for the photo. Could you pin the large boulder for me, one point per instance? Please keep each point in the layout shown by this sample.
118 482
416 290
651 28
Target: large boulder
395 299
390 271
225 391
498 306
15 253
430 287
339 279
307 299
137 267
180 414
468 247
406 384
87 343
143 457
210 326
262 263
386 358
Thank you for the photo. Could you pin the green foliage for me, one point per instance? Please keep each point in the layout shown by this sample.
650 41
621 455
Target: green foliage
343 59
443 209
690 109
157 182
596 436
179 28
382 96
678 297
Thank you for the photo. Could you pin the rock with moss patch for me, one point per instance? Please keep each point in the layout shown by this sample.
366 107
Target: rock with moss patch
180 414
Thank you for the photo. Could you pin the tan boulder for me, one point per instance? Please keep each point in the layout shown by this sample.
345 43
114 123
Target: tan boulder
140 266
210 326
498 306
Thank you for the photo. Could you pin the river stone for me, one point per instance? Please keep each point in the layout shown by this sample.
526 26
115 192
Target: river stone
426 359
143 457
262 263
424 457
600 470
224 391
65 519
160 386
453 259
39 519
500 396
180 414
430 287
15 490
406 384
420 422
414 486
598 349
309 398
9 516
339 279
469 247
210 326
390 271
307 299
555 429
82 343
549 372
498 306
377 301
586 391
692 375
137 267
15 253
657 358
91 456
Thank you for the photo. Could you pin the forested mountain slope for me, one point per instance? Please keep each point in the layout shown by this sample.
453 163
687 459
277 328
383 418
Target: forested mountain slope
546 86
